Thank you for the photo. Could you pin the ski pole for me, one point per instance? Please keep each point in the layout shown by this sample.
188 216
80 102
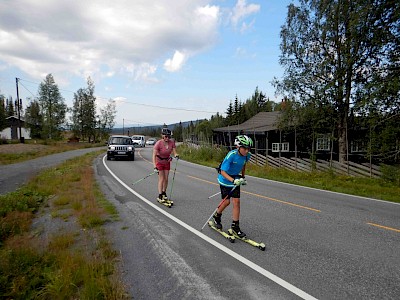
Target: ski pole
214 195
173 179
222 201
144 178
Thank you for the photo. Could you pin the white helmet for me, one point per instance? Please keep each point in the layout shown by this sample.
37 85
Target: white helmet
243 141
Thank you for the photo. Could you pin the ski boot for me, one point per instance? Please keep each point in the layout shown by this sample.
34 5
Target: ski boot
217 220
236 230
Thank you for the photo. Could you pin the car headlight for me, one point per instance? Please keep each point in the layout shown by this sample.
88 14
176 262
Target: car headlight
129 148
112 148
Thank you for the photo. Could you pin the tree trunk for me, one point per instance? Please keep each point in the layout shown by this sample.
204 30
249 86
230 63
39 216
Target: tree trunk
342 139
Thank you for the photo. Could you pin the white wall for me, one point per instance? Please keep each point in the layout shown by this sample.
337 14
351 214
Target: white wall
6 133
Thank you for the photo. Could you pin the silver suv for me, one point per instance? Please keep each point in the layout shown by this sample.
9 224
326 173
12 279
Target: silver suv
120 146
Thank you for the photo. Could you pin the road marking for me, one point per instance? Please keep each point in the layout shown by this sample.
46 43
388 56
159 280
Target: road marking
286 285
281 201
140 154
261 196
199 179
384 227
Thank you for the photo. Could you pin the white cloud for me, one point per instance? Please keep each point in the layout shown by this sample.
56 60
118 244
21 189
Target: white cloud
175 64
100 38
242 11
119 100
143 71
246 26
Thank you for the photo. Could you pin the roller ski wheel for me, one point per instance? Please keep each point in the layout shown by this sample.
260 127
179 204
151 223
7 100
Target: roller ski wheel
223 233
245 239
163 202
261 246
165 198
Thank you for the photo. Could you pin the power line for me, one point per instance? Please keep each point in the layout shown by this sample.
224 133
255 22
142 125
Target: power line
141 104
133 122
172 108
26 88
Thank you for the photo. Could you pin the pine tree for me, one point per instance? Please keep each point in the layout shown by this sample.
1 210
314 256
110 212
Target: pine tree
10 110
3 123
34 119
229 114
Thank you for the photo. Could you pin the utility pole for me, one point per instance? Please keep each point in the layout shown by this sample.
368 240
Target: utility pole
81 116
19 103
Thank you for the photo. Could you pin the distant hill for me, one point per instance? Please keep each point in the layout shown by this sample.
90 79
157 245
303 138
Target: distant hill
119 130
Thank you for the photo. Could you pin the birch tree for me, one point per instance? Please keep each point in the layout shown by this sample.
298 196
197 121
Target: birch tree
333 51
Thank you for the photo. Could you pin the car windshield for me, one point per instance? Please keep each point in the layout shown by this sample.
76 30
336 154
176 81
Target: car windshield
136 138
120 141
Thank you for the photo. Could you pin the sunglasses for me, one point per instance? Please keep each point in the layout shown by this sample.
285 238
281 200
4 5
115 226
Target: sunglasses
167 136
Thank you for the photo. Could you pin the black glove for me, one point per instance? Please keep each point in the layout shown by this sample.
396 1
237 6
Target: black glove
156 170
177 156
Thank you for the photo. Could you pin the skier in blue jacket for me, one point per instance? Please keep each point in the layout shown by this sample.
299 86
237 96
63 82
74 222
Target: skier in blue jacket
231 177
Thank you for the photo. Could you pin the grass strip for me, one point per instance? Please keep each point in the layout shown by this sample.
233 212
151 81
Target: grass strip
64 253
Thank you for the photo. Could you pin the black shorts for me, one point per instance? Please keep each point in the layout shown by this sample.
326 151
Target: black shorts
225 190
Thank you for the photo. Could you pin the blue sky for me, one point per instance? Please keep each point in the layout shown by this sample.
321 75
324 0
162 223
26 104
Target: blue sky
161 61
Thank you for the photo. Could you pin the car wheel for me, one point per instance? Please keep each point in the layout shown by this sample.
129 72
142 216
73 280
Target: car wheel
108 157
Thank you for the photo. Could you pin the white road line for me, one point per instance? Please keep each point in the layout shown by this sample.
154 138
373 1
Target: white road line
228 251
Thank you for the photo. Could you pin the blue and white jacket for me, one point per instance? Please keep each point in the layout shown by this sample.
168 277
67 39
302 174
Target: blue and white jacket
232 164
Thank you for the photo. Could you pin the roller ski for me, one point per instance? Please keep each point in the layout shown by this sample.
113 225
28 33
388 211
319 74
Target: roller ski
164 202
235 232
165 198
223 233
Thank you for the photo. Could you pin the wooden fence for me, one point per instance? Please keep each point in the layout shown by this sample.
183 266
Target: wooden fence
307 165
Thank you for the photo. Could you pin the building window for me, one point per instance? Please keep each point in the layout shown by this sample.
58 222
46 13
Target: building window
284 147
323 143
358 146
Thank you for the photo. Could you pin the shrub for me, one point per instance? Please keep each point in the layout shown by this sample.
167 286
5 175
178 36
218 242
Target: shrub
391 174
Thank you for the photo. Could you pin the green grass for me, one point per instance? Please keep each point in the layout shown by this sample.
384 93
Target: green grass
386 188
203 155
75 261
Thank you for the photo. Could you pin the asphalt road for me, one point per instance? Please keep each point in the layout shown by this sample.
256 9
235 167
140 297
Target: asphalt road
318 244
14 175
